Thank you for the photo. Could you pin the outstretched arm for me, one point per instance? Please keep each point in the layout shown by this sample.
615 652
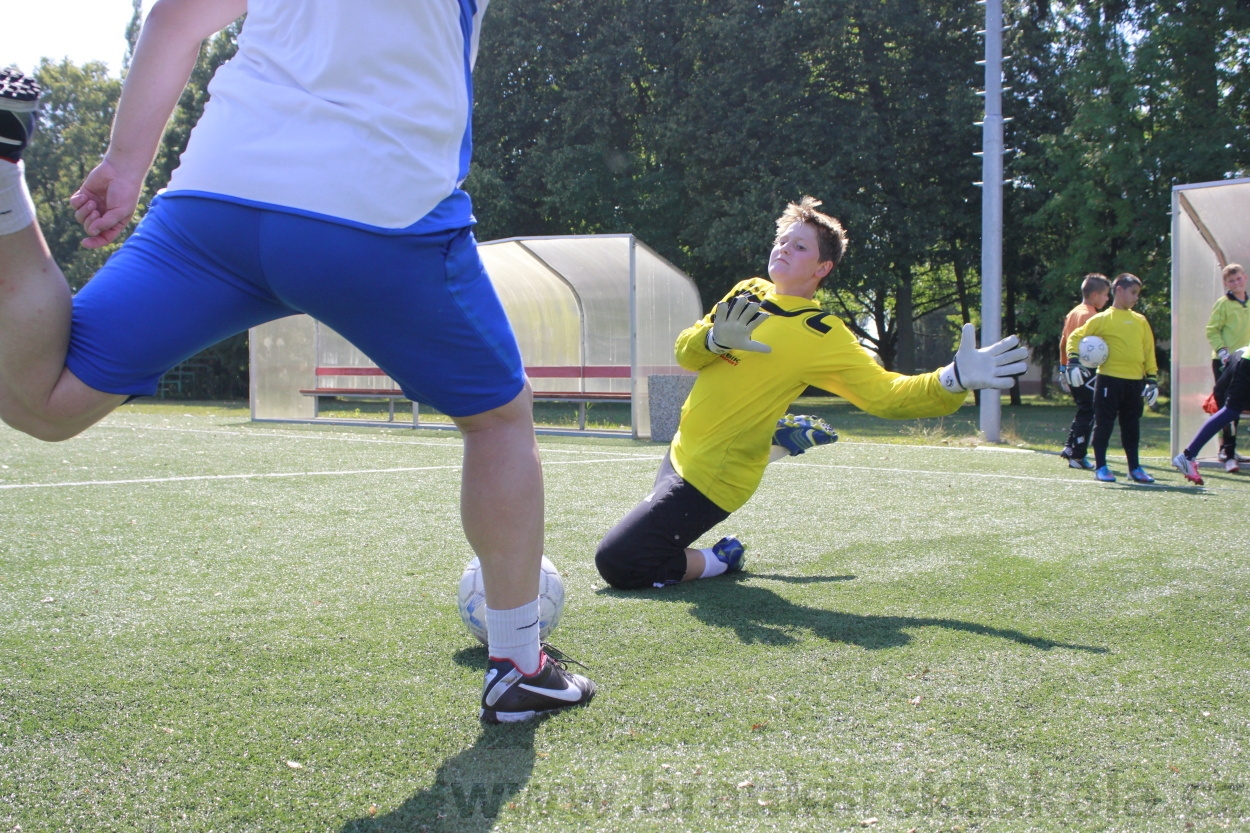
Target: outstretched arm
168 48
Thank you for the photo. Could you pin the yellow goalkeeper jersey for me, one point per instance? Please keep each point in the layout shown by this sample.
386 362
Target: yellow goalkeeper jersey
727 423
1130 341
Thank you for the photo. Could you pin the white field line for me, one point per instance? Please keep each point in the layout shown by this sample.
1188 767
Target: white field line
349 438
455 467
191 478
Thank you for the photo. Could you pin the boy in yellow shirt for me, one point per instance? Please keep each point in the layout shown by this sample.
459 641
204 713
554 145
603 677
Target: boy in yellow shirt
729 428
1125 381
1228 329
1095 293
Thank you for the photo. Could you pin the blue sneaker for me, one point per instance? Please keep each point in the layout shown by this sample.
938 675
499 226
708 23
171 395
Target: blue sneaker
1139 475
731 552
19 102
797 434
1104 474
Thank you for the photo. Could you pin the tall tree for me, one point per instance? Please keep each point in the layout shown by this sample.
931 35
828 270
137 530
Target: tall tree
1136 97
75 117
692 123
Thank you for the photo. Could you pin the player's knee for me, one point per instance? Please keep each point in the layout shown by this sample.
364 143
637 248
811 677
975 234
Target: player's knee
41 429
614 565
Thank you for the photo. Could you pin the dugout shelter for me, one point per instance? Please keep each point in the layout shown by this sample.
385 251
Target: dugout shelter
1210 229
594 315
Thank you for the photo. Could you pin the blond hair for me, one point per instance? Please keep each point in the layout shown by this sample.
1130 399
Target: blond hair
830 235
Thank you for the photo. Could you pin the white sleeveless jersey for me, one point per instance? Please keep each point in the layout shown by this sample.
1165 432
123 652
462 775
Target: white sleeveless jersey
357 110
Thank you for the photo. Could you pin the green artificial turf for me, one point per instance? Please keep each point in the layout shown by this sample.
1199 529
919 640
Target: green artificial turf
208 624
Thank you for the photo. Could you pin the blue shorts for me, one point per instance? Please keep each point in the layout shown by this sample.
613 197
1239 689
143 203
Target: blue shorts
197 270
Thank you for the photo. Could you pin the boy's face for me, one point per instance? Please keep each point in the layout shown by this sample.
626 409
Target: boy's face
795 261
1235 282
1126 296
1099 299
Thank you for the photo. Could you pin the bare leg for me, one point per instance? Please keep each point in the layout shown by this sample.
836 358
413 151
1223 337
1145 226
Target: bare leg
38 395
501 500
695 562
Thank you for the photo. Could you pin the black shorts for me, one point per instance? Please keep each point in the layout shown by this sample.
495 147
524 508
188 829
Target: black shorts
648 547
1232 389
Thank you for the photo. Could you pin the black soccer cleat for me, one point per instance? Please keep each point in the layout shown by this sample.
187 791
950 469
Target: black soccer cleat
508 696
19 102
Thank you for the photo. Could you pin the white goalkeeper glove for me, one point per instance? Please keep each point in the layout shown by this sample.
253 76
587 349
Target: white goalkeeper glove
1222 355
989 367
732 325
1078 374
1150 393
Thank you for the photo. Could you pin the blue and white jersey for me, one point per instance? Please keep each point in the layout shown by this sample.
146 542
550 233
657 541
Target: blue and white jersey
358 110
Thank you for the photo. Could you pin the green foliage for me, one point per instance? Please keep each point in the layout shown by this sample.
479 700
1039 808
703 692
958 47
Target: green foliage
1115 103
75 118
691 125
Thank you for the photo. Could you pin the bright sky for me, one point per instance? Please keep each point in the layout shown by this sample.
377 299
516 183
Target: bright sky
82 30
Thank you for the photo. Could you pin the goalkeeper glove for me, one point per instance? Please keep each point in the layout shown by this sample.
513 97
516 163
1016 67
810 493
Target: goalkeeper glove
989 367
797 434
732 325
1150 393
1078 374
1222 355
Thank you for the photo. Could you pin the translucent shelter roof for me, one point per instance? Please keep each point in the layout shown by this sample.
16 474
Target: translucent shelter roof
593 315
1210 229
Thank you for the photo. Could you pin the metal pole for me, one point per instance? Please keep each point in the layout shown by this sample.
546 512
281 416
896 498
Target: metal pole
992 206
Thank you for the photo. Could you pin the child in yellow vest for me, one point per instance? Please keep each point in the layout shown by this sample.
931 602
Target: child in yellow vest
1125 381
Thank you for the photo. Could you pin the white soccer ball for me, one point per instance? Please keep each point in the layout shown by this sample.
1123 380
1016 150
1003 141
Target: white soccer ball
1093 351
472 599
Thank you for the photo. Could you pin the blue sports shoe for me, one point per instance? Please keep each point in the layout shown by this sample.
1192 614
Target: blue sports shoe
1104 474
731 552
797 434
1139 475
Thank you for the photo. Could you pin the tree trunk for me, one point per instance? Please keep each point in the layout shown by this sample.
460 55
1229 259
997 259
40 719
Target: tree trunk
905 327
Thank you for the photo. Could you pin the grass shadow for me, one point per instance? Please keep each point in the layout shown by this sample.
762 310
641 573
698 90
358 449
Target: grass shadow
759 615
470 788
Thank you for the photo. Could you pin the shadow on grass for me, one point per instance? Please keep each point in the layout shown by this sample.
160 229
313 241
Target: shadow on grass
757 614
470 788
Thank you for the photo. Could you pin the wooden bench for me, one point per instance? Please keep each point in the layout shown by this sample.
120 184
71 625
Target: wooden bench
390 395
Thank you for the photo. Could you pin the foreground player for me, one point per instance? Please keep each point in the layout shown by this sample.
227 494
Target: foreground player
728 423
322 178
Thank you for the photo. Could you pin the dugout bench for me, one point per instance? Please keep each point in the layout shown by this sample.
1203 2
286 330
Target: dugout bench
581 398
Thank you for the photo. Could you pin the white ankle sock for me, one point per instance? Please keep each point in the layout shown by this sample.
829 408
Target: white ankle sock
17 210
513 635
712 566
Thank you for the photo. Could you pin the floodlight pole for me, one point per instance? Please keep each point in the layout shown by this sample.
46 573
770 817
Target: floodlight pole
992 206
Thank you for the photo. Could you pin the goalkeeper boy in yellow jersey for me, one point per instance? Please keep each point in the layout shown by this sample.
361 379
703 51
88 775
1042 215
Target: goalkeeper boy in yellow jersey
762 346
1125 381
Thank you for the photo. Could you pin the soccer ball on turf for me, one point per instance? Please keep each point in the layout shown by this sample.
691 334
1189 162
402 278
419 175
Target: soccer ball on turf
472 599
1093 351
